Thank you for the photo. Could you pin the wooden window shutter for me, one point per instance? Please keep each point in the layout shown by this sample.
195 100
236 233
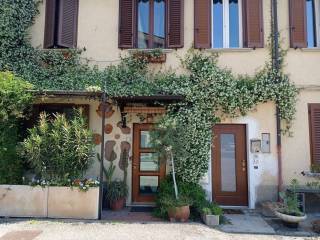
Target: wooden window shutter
253 24
202 23
175 25
49 30
127 22
314 124
68 23
298 31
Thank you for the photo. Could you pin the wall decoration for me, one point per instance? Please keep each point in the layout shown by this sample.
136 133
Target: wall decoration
108 128
109 110
124 130
110 154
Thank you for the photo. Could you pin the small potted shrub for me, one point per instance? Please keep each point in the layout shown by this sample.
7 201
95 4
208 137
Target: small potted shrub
211 214
178 209
289 212
117 193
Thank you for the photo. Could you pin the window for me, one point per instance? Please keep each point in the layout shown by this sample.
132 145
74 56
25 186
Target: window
226 24
151 23
311 16
314 124
61 24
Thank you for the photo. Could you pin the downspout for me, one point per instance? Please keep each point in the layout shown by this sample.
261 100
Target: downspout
276 68
103 111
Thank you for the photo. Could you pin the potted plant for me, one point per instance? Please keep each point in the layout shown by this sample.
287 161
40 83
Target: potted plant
178 209
117 193
211 214
289 212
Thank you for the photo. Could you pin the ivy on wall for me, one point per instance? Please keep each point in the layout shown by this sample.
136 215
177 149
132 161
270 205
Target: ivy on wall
210 91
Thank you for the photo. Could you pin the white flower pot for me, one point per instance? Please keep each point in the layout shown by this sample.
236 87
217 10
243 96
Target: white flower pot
290 220
211 220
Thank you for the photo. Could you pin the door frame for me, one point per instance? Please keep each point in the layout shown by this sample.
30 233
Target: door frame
145 200
246 144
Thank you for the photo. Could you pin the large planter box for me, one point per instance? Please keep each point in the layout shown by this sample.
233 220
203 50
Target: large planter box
23 201
52 202
64 202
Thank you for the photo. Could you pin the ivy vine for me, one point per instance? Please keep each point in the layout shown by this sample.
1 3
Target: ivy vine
210 91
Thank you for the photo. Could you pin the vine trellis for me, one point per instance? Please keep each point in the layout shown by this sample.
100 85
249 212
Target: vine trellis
210 91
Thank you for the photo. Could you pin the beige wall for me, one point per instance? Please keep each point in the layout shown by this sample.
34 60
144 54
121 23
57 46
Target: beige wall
98 33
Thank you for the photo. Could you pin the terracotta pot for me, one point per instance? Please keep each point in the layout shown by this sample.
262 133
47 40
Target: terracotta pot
289 220
180 214
117 205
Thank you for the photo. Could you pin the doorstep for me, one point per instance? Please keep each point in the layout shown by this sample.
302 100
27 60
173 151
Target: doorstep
126 215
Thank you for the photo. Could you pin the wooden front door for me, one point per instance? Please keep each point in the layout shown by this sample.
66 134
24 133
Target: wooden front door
229 165
147 169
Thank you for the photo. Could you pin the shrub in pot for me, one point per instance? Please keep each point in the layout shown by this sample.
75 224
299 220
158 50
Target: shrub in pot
178 209
211 214
117 193
289 212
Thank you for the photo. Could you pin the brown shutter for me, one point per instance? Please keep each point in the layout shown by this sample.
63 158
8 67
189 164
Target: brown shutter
68 23
253 25
202 23
297 14
49 24
314 122
127 23
175 23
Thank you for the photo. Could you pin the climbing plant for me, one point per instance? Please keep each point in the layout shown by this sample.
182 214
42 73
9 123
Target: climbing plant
210 91
14 99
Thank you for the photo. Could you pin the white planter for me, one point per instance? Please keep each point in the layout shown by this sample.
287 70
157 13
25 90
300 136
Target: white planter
52 202
23 201
290 218
211 220
64 202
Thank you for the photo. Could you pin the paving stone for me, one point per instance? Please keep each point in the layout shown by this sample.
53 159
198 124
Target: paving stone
243 223
21 235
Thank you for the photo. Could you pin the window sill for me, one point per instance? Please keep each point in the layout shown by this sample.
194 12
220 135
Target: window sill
132 50
229 49
315 49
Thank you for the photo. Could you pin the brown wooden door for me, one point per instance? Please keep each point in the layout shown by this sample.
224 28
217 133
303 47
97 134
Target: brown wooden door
229 165
147 169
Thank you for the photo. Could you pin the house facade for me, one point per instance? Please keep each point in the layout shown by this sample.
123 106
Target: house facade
244 167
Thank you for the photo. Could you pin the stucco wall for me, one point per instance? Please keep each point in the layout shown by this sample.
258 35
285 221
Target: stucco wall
98 33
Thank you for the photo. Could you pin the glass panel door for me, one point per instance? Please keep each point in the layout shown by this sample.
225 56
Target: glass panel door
147 167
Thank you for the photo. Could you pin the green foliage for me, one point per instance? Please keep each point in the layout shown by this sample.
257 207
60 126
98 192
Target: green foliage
117 190
212 209
14 100
189 194
315 168
290 200
59 149
210 91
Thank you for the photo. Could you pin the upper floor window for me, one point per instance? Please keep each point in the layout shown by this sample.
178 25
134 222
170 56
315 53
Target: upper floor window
304 23
151 23
228 24
61 24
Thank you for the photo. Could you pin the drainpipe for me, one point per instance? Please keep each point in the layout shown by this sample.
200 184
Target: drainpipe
276 67
103 121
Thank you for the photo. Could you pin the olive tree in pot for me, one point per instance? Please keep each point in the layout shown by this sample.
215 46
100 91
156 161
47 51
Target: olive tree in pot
116 194
165 141
289 212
